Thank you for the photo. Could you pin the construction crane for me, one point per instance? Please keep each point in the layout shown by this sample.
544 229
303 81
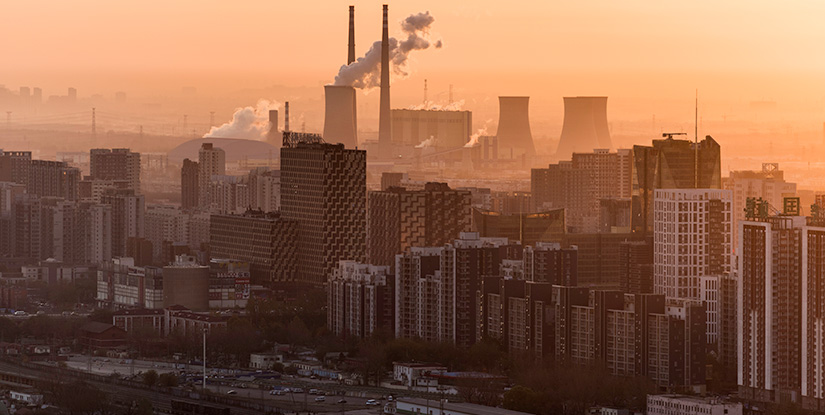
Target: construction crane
669 136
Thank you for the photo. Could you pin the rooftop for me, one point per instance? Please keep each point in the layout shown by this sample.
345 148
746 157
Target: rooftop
467 408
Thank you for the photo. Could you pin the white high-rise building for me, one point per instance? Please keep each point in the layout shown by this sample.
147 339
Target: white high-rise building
692 238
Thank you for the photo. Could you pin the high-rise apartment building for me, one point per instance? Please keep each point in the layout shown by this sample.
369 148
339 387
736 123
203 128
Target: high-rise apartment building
53 178
813 318
360 300
768 184
211 161
267 241
671 164
437 288
401 218
115 164
128 217
14 166
189 176
548 263
580 184
692 239
769 308
324 188
636 266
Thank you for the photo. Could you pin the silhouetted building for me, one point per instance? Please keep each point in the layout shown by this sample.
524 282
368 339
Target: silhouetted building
324 188
636 266
585 126
128 213
115 164
186 283
14 166
53 178
527 228
548 263
189 175
671 164
447 129
211 162
267 241
401 218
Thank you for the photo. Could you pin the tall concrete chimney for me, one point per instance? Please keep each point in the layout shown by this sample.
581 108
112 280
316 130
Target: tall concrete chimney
272 137
384 121
585 126
339 115
514 135
351 54
286 116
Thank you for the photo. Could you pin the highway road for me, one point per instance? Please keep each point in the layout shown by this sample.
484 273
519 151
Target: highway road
288 403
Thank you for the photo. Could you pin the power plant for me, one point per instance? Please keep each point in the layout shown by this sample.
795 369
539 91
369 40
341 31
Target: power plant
585 126
340 121
515 140
351 44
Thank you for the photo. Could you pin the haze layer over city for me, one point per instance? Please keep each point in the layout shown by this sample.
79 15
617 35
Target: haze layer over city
418 207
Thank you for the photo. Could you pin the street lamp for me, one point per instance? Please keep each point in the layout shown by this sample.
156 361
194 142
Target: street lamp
204 360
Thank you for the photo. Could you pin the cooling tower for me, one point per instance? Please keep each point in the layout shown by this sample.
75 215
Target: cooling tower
514 136
585 126
339 116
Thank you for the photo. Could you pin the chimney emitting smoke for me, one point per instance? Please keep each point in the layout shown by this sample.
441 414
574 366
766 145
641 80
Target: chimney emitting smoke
286 116
384 121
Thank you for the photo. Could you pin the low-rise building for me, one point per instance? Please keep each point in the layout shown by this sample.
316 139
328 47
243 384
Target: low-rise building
410 406
413 374
690 405
264 361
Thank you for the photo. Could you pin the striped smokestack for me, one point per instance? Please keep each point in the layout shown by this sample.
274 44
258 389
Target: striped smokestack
384 122
286 116
351 54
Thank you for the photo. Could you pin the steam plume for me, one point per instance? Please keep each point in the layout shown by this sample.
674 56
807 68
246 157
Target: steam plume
426 143
432 106
474 138
248 122
365 72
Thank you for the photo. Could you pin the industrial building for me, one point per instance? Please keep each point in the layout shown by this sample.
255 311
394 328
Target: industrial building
445 129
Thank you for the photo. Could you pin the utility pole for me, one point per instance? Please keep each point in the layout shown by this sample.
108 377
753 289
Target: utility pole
204 360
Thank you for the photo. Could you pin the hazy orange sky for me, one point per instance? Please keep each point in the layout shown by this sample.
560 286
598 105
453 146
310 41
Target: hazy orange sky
733 51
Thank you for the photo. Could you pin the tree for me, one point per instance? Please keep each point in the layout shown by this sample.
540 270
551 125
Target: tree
150 378
168 380
524 399
81 398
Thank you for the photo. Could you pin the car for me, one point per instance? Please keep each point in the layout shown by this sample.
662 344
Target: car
20 313
231 392
276 392
313 391
342 401
286 390
298 390
372 402
320 398
242 386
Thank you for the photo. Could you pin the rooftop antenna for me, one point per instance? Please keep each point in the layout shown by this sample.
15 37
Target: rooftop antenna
696 142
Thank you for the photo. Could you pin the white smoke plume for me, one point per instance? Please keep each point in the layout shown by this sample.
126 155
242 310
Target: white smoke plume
365 72
432 106
427 143
248 122
474 138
